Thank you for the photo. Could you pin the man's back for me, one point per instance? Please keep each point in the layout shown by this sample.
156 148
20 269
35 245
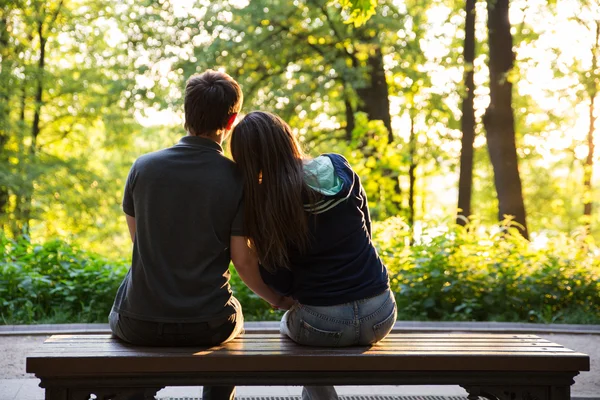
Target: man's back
186 202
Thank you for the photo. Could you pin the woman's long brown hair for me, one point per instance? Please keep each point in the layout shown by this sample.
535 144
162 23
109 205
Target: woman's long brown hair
270 159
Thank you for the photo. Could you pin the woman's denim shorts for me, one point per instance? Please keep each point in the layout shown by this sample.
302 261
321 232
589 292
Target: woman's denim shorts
358 323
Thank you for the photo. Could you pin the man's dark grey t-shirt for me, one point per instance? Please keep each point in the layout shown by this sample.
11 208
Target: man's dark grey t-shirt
187 202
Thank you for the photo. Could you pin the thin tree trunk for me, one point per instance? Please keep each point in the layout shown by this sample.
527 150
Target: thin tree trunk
412 168
5 92
35 126
26 197
350 123
589 166
589 162
465 181
16 224
4 81
499 119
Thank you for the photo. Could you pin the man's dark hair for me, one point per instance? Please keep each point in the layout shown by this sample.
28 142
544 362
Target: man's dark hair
210 99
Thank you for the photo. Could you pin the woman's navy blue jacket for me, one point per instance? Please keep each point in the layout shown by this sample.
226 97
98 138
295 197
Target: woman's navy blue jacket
341 264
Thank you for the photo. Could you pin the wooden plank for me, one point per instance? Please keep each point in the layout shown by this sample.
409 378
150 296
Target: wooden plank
75 355
304 351
284 344
164 363
264 336
231 350
291 346
269 337
99 351
278 340
355 353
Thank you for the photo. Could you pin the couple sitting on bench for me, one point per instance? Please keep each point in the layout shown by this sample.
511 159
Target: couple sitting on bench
297 230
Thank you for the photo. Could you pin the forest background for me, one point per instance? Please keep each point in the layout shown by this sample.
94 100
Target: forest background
446 109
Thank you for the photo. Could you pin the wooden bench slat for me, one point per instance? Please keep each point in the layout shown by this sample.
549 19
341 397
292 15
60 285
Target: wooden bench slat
107 343
386 341
276 363
258 353
263 336
72 352
290 344
91 354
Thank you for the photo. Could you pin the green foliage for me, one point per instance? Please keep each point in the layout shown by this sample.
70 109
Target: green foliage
359 11
55 281
377 163
107 65
449 272
254 308
59 283
479 273
72 77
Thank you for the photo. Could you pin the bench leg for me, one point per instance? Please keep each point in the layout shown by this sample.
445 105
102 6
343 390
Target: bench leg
560 393
518 392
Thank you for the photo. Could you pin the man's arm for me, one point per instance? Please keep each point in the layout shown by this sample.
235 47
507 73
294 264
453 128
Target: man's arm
131 226
128 203
246 264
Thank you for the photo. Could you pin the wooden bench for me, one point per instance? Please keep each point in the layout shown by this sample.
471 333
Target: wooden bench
488 366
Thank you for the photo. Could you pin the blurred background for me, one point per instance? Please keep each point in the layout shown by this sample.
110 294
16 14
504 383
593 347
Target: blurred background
472 125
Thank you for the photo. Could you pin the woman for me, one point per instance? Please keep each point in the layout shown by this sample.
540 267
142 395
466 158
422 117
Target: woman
308 222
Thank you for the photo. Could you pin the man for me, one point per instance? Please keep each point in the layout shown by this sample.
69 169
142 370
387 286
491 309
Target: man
183 207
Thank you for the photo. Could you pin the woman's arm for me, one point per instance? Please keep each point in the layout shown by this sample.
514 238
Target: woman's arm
246 264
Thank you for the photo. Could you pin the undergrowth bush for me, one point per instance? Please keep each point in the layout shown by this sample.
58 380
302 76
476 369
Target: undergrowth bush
59 283
55 282
481 273
448 272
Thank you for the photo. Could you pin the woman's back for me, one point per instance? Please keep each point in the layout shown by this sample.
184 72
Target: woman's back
340 263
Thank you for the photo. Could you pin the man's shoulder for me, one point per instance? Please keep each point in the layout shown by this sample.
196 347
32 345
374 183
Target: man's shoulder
172 158
224 165
147 158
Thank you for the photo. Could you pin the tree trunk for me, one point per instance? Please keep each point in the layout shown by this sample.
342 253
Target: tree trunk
589 162
350 124
375 97
35 126
4 82
499 118
465 181
26 195
589 166
16 225
374 101
4 108
412 168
